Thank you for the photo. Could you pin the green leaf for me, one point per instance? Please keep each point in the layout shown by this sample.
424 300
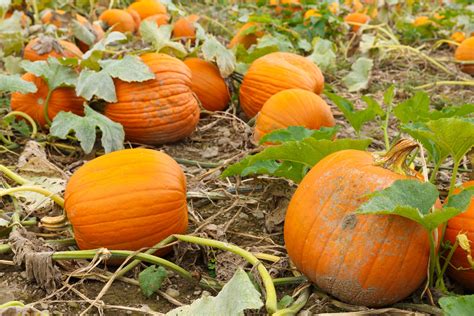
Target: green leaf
297 133
151 279
160 37
101 45
356 118
213 50
358 78
237 295
323 54
277 41
82 33
85 129
388 95
55 74
462 199
129 69
292 157
457 305
414 109
14 83
96 83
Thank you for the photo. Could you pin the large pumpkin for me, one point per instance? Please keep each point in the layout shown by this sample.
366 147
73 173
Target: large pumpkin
208 84
146 8
246 40
43 47
370 260
465 52
118 20
62 99
128 199
463 223
293 107
160 110
275 72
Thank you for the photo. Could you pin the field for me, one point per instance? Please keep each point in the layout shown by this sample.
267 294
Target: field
281 158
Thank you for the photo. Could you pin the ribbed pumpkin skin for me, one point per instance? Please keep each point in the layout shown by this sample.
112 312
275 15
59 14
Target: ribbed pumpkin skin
62 99
69 50
184 27
358 18
146 8
158 111
127 200
208 84
293 107
370 260
159 19
275 72
135 16
120 20
464 222
465 52
246 40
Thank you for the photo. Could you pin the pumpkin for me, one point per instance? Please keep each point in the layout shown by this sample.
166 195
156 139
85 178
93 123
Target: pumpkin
293 107
55 17
62 99
275 72
311 12
127 200
43 47
422 20
157 111
135 16
286 5
246 40
159 19
369 260
458 37
184 27
465 52
118 20
356 18
207 83
146 8
463 223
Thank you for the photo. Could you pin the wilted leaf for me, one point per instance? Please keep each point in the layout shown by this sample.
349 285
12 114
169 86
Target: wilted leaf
96 83
237 295
457 305
12 64
323 54
160 37
55 74
129 69
298 133
33 201
358 78
213 50
85 129
151 279
14 83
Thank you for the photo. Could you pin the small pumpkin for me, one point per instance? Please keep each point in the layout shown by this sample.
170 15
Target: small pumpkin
157 111
286 5
465 52
275 72
43 47
184 27
460 269
57 18
458 37
62 99
246 40
356 17
368 260
293 107
422 20
159 19
119 20
207 83
127 200
146 8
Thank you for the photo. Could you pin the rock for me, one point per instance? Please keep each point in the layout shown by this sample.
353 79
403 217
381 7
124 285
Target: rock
172 292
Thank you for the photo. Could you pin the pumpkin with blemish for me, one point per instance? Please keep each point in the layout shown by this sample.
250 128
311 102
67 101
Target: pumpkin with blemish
43 47
157 111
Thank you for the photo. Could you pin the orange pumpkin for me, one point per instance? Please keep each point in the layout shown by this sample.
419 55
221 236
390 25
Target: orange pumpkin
127 200
161 110
118 20
159 19
293 107
55 17
422 20
135 16
463 223
458 37
184 27
62 99
273 73
43 47
356 18
146 8
369 260
465 52
246 40
207 83
287 5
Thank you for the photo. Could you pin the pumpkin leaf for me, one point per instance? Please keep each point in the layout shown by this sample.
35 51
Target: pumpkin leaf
84 128
160 37
277 41
14 83
101 45
82 33
457 305
96 83
237 295
414 200
55 74
292 157
358 78
151 279
323 54
298 133
214 51
357 118
129 69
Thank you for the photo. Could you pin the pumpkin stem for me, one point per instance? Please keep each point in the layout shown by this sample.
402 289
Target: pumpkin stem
395 158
